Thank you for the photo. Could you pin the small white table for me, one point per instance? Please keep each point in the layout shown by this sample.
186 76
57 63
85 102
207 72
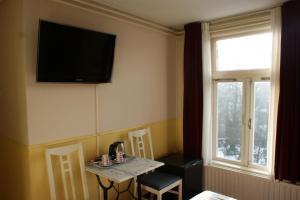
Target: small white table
122 172
208 195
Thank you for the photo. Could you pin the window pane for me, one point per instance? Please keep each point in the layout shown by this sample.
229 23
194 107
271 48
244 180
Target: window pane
229 115
261 116
244 53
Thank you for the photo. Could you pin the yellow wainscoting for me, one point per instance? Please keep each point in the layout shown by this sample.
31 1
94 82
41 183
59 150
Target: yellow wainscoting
14 170
164 134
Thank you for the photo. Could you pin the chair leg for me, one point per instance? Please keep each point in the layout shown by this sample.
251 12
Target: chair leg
101 196
135 188
159 197
180 191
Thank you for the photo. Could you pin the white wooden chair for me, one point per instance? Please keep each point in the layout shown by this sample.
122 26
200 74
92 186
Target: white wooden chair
66 170
155 182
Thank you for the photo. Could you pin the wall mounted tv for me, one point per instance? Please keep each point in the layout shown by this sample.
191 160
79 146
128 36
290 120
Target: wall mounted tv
70 54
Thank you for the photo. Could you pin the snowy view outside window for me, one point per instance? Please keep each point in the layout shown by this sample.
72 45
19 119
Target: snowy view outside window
261 115
229 115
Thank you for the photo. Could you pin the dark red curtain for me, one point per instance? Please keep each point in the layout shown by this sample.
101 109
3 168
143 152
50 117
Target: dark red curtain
287 157
193 91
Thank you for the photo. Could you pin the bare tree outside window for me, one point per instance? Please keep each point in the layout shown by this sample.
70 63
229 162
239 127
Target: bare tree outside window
229 114
261 116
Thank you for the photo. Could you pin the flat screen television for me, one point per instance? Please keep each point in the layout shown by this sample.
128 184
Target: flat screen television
70 54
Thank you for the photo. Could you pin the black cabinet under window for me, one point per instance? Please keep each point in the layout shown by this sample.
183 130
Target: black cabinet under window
189 169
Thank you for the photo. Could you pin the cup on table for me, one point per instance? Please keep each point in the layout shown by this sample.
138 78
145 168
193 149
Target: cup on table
105 160
120 157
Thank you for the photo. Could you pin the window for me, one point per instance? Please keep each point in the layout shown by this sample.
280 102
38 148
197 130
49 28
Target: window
241 94
244 53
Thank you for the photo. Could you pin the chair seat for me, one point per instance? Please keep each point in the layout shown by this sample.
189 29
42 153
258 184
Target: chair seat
157 180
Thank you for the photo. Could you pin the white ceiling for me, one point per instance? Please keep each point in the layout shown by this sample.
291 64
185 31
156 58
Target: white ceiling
176 13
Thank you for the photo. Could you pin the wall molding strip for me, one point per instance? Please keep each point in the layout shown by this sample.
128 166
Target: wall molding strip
134 127
113 13
78 138
69 140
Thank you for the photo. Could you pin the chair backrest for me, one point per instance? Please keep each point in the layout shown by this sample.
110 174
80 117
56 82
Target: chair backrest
137 137
64 155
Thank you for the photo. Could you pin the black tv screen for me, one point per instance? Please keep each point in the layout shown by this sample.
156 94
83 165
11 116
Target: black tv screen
70 54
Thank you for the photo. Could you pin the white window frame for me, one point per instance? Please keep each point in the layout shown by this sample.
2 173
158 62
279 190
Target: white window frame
248 77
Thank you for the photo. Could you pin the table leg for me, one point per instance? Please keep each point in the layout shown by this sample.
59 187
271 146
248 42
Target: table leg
139 188
126 190
105 189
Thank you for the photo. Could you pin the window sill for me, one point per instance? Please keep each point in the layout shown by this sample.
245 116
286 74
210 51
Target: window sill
241 169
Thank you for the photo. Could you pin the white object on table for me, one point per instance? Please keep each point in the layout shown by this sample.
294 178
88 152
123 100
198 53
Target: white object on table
208 195
125 171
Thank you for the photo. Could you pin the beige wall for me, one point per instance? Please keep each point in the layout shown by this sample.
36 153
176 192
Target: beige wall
13 128
12 79
144 81
40 115
143 87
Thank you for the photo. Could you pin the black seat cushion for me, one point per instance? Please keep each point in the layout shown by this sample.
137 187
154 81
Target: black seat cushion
158 180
